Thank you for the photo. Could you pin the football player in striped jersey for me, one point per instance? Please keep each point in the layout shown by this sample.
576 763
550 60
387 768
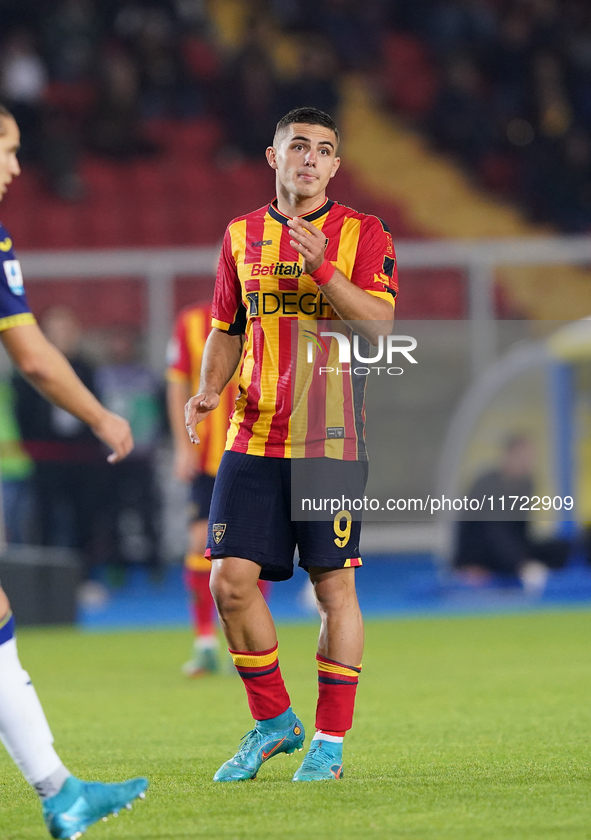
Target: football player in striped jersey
297 267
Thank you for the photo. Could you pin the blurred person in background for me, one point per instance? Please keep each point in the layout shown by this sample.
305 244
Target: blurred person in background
202 55
114 125
353 29
288 13
507 61
460 119
71 32
167 90
66 482
69 805
578 54
506 546
16 468
315 81
251 91
454 27
152 35
551 108
197 467
23 84
562 185
130 388
50 139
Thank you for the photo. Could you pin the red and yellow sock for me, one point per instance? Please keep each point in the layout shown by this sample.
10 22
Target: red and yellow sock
337 686
265 689
202 605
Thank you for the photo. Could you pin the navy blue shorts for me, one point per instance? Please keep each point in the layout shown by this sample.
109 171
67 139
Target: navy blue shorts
251 513
200 497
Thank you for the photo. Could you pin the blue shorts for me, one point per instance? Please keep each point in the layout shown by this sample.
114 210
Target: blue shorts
200 497
251 514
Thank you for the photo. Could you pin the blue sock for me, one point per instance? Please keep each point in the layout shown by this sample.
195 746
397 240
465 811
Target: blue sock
277 723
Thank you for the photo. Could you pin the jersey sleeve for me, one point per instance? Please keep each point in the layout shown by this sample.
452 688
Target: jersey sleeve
227 311
178 356
14 307
375 268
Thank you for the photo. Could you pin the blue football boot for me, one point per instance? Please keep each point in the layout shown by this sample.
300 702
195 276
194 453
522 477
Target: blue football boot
324 760
80 804
204 662
284 734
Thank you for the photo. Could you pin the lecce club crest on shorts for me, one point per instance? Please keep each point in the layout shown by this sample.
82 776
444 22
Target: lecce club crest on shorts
218 532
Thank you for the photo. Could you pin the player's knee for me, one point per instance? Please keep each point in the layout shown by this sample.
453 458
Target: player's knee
229 595
334 594
326 600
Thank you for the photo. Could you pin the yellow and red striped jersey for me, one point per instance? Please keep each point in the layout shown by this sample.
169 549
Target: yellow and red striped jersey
283 411
192 326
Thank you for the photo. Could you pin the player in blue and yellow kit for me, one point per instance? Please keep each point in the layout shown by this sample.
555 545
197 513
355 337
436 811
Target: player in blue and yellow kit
300 261
70 805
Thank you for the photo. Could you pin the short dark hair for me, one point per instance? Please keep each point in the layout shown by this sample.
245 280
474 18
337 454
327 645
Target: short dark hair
309 116
4 114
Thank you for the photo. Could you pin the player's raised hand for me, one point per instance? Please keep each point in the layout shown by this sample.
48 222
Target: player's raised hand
115 432
197 410
309 242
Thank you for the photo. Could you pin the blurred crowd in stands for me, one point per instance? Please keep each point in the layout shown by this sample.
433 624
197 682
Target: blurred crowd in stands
506 87
502 85
82 75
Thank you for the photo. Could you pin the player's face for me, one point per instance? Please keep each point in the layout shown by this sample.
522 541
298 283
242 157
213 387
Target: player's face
305 159
9 145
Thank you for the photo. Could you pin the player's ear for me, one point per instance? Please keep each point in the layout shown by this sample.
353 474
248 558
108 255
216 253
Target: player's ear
335 166
271 156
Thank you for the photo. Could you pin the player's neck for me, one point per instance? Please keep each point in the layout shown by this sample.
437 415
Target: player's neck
291 205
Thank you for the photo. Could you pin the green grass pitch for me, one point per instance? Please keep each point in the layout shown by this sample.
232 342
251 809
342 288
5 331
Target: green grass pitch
466 728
